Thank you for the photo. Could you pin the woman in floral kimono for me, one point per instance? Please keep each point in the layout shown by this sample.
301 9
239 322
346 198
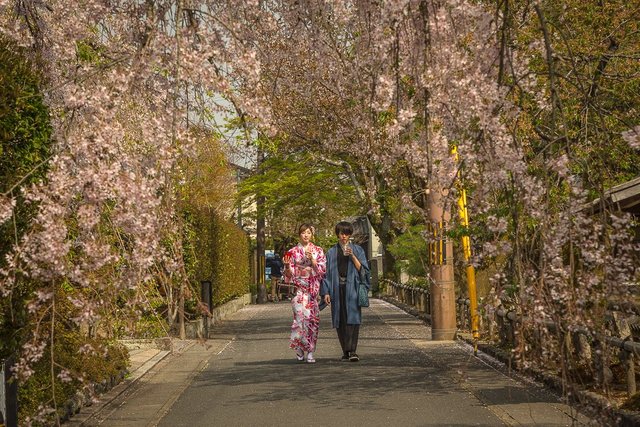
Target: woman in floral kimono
304 266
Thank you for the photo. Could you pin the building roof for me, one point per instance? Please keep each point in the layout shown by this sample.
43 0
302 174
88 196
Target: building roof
624 197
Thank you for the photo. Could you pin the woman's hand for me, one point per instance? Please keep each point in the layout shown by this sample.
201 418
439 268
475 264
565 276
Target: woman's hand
327 299
311 257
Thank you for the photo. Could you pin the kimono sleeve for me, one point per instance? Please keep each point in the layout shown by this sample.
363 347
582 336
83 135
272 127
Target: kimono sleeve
321 264
292 264
364 269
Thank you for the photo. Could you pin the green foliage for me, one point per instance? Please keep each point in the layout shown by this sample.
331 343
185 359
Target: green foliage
25 130
419 282
214 249
595 46
300 188
574 109
325 241
25 145
142 320
230 261
25 134
596 96
102 364
206 180
410 249
218 251
13 318
90 52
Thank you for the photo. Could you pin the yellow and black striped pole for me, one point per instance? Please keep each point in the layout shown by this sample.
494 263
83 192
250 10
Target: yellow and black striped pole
471 272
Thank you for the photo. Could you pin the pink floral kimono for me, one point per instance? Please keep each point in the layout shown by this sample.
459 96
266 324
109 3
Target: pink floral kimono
306 315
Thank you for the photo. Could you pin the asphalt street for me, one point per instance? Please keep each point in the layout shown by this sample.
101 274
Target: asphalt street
246 375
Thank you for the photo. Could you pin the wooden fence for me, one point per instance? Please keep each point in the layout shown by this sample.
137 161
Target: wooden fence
501 326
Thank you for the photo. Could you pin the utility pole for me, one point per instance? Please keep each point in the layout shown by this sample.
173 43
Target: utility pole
443 297
260 238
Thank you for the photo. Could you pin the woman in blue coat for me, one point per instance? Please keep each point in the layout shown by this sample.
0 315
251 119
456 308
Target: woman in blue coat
346 263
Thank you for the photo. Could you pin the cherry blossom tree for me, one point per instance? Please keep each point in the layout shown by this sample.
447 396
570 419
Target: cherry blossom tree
386 89
391 87
120 79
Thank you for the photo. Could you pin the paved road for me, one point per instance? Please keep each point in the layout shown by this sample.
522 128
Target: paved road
247 376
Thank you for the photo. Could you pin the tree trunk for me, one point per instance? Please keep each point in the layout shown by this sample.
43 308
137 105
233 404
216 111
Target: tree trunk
260 238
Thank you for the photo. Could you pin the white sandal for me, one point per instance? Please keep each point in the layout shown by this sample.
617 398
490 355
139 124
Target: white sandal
310 358
300 355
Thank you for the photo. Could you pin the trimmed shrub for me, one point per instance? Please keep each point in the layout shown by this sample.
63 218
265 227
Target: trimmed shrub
218 251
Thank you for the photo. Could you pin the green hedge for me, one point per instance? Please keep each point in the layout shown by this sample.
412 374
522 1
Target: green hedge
218 251
25 144
230 261
102 369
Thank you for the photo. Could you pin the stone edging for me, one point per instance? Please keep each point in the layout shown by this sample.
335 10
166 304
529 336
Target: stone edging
84 397
219 313
195 328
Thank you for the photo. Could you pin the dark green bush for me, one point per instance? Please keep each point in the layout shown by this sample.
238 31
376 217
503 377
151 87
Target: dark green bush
410 249
230 261
25 146
218 251
102 365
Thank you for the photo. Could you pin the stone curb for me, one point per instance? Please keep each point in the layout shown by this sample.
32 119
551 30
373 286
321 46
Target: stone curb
591 402
196 329
109 391
92 408
146 366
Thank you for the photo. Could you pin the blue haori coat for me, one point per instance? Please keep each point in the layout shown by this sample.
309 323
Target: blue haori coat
331 285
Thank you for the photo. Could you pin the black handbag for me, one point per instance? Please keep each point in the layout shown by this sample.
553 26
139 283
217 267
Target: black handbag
363 292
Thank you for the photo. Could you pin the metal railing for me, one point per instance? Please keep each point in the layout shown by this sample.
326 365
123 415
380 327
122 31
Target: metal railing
585 345
416 297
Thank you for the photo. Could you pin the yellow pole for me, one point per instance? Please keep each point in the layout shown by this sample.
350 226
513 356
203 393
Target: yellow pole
471 272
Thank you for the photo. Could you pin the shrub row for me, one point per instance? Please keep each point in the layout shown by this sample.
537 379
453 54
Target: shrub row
218 251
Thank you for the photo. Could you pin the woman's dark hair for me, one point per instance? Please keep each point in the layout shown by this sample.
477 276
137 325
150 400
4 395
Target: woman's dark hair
344 227
306 226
